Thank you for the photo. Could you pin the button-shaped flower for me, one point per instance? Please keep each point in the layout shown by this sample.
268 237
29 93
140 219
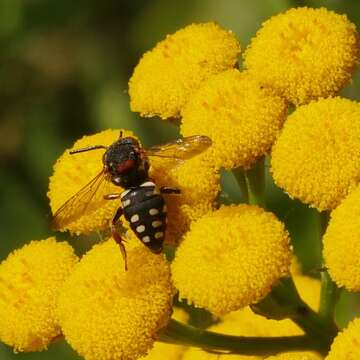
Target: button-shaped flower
30 281
231 257
316 158
241 118
304 53
108 313
168 74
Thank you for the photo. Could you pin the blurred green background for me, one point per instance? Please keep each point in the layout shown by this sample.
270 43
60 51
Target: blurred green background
64 72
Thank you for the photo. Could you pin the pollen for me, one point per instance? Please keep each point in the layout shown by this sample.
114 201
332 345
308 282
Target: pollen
30 281
72 172
230 258
168 74
108 313
304 53
198 192
241 118
316 158
346 344
341 243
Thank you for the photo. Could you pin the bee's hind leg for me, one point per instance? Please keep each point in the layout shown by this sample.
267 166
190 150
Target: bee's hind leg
117 237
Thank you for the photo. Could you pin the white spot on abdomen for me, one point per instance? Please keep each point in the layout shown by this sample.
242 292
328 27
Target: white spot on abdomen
153 211
156 223
146 239
126 203
134 218
159 235
140 228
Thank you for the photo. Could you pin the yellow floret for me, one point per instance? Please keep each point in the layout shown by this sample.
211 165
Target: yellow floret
73 172
317 155
342 243
295 356
199 182
108 313
231 257
304 53
30 280
245 323
240 117
346 344
168 74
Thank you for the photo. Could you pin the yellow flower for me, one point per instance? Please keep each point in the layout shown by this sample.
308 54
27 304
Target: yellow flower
199 182
304 53
108 313
30 279
231 257
346 344
245 323
73 172
240 117
341 243
164 351
316 157
168 74
295 356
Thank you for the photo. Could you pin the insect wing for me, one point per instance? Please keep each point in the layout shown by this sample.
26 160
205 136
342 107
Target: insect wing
181 149
84 199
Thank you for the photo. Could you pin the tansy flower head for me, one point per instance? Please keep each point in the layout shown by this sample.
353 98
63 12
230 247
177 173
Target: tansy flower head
231 257
166 76
304 53
346 344
316 158
295 356
73 172
341 243
108 313
199 182
240 117
30 280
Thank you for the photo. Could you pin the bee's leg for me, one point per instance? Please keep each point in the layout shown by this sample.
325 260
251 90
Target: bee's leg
112 196
169 190
117 236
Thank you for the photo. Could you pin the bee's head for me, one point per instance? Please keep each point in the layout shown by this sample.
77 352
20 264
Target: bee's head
125 162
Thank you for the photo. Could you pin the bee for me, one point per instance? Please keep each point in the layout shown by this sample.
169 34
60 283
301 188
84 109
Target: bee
126 164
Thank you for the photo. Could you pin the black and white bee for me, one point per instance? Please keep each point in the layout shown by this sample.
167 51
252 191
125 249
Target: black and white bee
126 164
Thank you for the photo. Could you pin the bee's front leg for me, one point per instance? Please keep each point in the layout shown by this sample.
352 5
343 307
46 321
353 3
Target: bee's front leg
169 190
117 237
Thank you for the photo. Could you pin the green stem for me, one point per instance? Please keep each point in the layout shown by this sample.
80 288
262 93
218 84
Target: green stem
179 333
329 291
255 180
240 178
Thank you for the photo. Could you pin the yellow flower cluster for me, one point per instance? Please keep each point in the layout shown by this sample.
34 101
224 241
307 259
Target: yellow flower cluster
346 344
239 252
30 281
304 53
72 173
168 74
295 356
316 158
341 243
240 117
110 314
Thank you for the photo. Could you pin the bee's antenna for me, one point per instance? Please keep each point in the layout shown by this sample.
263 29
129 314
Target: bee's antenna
120 137
88 148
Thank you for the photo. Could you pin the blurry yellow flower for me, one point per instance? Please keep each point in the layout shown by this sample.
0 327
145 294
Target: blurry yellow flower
231 257
316 158
166 351
346 344
199 182
295 356
342 243
168 74
73 172
304 53
30 279
240 117
110 314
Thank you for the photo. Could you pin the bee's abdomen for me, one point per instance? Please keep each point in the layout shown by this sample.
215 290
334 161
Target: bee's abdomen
144 209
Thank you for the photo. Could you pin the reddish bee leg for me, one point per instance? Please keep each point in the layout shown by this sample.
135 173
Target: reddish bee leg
169 190
112 196
117 236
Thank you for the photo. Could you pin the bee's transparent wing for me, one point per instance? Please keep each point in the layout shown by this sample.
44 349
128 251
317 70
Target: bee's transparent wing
175 152
85 199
